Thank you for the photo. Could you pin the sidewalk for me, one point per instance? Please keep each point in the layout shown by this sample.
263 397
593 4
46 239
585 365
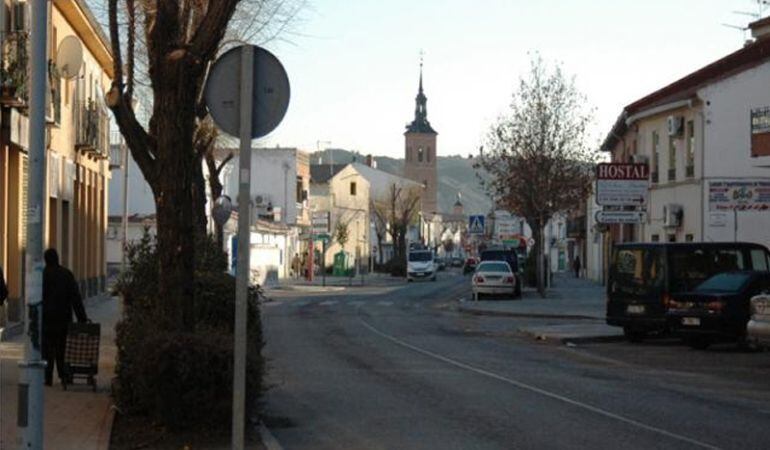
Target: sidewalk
337 283
577 302
77 419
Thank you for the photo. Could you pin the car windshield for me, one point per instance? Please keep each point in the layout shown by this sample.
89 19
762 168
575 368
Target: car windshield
725 282
494 267
420 256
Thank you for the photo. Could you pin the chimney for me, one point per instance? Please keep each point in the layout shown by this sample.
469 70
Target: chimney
760 29
370 160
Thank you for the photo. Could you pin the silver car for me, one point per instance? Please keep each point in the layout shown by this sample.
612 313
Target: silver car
493 278
758 328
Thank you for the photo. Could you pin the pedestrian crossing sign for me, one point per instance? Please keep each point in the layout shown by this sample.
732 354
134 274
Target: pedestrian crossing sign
476 224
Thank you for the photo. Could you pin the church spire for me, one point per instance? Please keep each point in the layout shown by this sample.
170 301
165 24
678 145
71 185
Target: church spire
420 123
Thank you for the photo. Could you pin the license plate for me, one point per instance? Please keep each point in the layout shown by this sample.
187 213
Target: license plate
635 309
691 321
762 308
420 274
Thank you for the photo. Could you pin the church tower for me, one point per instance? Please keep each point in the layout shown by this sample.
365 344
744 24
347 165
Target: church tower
420 148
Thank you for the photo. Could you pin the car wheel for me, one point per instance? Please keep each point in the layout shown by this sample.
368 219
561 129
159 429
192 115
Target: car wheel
698 343
634 336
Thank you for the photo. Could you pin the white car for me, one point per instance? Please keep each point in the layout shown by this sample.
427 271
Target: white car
758 328
493 278
420 265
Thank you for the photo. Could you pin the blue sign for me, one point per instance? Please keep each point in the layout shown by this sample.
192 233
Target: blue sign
476 224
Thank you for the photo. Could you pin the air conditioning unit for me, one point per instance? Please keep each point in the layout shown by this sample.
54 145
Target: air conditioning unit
675 124
20 16
672 215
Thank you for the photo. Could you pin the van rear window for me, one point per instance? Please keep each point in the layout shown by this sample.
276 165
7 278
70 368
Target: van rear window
637 271
690 267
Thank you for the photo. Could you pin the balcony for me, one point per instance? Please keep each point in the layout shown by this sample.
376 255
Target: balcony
13 70
576 228
92 128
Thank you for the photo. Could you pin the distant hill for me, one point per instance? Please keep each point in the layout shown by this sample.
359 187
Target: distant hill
455 174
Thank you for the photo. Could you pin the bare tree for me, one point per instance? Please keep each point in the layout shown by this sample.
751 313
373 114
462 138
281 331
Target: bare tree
537 156
399 208
380 219
169 46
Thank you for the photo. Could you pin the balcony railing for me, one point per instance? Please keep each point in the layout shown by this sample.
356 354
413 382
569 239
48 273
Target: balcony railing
92 127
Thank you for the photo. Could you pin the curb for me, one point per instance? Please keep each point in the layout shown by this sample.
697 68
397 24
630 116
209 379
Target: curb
310 288
482 312
572 340
270 442
105 433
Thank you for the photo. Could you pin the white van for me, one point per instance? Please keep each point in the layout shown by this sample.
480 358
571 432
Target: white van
420 265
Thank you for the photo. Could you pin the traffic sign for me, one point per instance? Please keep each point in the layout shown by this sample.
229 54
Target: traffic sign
270 95
476 224
621 184
322 237
627 217
321 222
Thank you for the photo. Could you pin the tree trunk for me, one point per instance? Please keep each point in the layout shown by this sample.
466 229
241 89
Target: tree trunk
173 124
537 234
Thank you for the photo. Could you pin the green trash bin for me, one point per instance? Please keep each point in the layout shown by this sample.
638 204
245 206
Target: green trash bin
340 264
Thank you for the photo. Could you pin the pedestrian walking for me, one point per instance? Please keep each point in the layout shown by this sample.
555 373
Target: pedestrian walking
296 265
3 288
576 266
61 296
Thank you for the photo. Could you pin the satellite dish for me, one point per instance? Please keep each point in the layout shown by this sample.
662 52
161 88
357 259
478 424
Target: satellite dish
69 58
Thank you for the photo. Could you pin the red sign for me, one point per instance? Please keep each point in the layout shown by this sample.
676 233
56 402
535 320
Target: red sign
622 171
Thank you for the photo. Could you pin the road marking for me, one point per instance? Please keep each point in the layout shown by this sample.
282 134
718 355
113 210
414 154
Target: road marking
356 303
385 303
536 390
328 303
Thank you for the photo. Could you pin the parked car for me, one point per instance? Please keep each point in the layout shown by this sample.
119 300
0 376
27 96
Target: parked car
717 309
457 262
510 257
493 278
644 276
420 264
440 264
758 328
470 265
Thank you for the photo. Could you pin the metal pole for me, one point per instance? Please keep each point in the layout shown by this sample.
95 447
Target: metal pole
244 239
31 405
735 223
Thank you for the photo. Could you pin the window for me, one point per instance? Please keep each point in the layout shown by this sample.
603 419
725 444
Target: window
690 159
427 154
352 188
689 238
671 238
655 238
655 156
671 159
759 259
420 154
301 194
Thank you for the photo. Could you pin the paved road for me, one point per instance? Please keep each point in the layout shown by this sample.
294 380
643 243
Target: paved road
394 369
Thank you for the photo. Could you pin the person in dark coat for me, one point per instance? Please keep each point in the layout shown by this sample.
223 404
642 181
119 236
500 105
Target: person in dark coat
577 266
61 296
3 288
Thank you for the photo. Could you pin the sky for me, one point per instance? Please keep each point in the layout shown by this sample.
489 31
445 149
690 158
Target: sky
353 66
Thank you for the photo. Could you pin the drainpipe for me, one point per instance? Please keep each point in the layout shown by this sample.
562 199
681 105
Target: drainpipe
703 175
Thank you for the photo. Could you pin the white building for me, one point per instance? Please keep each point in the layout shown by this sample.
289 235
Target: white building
706 138
280 182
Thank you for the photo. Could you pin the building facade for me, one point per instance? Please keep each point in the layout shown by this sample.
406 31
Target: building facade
78 169
706 138
420 153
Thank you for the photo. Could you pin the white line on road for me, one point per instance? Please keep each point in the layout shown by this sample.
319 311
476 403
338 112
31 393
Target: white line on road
537 390
328 303
356 303
385 303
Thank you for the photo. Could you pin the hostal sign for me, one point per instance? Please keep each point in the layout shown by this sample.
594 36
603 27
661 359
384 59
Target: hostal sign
622 184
